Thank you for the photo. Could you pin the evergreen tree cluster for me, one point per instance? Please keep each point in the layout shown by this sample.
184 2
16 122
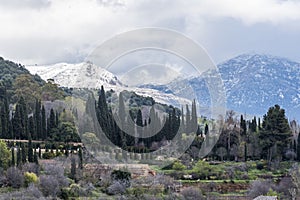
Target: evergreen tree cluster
252 139
153 127
20 123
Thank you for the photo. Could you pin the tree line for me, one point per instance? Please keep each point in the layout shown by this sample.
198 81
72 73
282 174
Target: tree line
18 122
142 121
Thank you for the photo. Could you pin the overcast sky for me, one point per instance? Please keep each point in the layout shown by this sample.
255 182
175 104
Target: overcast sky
51 31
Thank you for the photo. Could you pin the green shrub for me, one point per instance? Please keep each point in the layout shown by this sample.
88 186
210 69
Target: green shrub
178 166
30 177
48 155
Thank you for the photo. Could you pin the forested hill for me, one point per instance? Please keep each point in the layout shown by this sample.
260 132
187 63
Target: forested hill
10 71
16 81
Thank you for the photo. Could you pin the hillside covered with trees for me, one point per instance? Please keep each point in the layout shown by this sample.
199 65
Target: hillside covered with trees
41 154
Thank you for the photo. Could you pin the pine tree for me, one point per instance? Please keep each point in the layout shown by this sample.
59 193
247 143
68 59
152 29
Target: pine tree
275 132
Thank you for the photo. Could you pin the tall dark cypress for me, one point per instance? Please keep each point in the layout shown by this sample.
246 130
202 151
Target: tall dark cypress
17 123
35 157
19 156
43 134
32 129
206 130
243 126
38 120
30 151
122 118
13 162
23 118
51 123
80 156
4 115
139 118
24 154
188 120
182 123
194 120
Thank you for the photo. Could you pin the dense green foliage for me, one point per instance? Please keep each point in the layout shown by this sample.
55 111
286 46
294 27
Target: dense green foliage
5 155
145 124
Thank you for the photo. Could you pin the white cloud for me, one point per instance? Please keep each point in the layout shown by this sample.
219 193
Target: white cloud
61 30
254 11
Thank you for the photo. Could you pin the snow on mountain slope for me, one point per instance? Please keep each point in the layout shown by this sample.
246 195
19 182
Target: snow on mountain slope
78 75
256 82
88 75
253 83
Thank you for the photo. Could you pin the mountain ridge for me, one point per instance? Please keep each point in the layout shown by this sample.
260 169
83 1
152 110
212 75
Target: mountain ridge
253 83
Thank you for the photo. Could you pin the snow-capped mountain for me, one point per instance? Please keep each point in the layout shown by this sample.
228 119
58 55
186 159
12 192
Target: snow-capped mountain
88 75
79 75
253 83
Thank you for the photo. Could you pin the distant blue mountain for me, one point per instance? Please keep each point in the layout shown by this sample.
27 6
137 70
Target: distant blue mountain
253 83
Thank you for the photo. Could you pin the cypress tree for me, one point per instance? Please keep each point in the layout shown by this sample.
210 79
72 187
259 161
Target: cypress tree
13 162
43 124
35 157
73 169
80 156
23 118
38 120
51 122
206 129
194 117
4 115
17 123
182 124
243 126
19 156
32 128
188 120
139 118
40 153
122 118
30 151
23 152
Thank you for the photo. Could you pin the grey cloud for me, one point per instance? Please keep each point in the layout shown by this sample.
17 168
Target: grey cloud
111 3
28 4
